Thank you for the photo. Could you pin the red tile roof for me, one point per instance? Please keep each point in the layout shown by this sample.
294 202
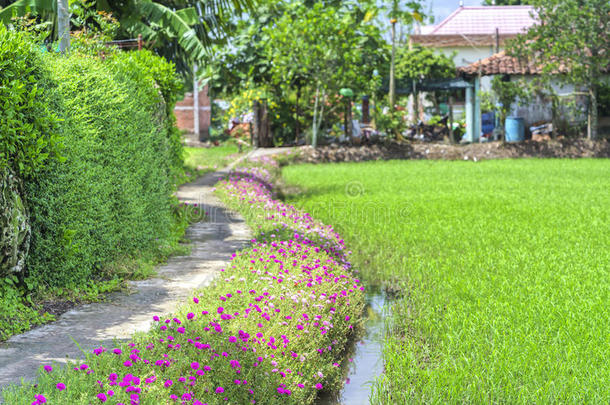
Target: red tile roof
502 64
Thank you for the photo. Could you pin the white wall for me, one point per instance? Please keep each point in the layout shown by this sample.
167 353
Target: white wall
465 55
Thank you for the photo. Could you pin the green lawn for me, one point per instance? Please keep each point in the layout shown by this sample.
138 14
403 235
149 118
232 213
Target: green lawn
199 161
504 268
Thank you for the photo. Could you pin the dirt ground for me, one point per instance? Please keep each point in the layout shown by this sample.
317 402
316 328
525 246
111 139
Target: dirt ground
564 148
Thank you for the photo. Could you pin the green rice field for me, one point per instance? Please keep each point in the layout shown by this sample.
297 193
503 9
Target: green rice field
501 271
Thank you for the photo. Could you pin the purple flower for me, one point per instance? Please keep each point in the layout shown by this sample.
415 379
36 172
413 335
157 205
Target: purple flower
168 383
220 310
40 398
48 368
194 365
61 386
102 397
220 390
318 386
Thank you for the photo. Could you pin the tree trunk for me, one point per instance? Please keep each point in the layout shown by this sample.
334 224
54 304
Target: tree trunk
592 114
266 139
296 112
392 95
415 104
63 25
256 127
314 129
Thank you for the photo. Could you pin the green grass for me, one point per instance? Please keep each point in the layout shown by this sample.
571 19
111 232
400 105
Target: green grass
199 161
504 268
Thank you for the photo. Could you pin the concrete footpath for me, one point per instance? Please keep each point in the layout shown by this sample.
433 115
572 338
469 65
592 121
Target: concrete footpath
122 314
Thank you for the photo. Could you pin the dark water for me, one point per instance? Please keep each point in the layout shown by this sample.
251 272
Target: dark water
364 363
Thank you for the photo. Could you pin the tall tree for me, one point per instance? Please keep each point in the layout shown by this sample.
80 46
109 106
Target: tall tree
572 36
325 47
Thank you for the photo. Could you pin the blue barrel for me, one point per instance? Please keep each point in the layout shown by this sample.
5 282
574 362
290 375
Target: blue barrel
514 129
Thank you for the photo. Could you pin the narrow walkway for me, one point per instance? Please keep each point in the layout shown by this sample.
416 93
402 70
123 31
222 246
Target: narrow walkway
121 315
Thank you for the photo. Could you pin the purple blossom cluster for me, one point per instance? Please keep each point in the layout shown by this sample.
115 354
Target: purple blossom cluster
272 329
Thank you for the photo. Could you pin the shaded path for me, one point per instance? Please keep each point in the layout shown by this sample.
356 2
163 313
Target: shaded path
90 325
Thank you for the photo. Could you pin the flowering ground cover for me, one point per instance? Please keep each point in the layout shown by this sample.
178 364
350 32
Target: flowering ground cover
502 270
272 329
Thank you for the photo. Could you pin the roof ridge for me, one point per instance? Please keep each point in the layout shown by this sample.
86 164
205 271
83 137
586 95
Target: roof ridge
447 19
508 6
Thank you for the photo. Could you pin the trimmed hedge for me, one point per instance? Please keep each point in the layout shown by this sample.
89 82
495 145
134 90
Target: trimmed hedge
272 329
112 195
97 156
28 106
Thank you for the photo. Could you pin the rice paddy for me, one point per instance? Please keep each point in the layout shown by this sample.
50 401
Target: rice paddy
502 269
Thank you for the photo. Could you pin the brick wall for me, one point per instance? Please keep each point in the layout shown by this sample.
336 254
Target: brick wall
184 113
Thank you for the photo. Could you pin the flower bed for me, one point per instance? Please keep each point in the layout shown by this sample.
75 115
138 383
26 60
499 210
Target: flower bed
273 328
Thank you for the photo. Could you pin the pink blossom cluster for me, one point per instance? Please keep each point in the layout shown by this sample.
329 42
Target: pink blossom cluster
273 328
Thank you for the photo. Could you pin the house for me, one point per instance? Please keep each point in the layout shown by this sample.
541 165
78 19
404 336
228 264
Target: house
569 112
475 33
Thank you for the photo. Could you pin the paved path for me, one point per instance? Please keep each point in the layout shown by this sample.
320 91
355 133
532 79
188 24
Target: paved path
122 314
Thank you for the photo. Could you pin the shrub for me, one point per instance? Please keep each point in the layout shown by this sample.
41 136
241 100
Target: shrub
272 329
112 195
28 120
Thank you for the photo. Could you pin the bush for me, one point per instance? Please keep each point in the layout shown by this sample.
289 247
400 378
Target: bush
273 329
28 122
112 195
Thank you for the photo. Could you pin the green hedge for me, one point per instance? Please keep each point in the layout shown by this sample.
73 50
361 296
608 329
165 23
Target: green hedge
28 118
111 120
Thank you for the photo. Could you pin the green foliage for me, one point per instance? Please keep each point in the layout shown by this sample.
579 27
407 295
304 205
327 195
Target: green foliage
112 195
507 92
178 30
285 49
504 269
18 313
421 62
162 75
572 35
29 136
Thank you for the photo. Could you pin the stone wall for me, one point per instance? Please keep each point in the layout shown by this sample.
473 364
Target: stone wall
15 228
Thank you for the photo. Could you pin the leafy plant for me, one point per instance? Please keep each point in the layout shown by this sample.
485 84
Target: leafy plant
29 123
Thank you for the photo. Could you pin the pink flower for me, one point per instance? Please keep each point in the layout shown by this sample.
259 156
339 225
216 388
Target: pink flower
318 386
48 368
220 390
61 386
220 310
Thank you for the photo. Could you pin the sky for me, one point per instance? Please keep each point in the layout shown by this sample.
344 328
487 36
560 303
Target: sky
442 8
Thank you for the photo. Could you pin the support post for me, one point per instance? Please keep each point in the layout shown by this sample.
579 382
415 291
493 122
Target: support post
451 136
140 43
477 108
469 114
195 102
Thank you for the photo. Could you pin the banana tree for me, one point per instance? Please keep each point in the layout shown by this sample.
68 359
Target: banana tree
179 30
